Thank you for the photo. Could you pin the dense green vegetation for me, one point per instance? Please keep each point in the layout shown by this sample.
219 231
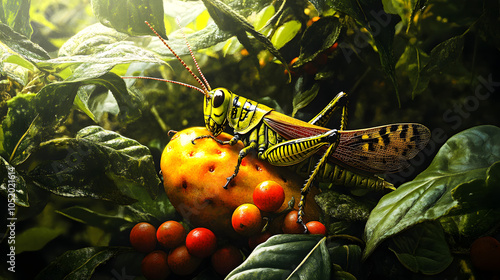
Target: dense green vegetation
82 145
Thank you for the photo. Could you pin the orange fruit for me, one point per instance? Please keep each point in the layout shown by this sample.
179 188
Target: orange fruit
268 196
315 227
171 234
290 224
225 259
201 242
181 262
143 237
154 266
246 219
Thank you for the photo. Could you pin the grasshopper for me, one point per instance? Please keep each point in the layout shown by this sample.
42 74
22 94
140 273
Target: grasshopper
347 157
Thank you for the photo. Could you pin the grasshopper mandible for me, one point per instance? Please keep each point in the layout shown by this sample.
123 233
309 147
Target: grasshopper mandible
347 157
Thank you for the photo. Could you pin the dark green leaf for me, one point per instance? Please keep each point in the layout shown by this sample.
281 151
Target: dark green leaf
342 207
370 14
422 249
15 13
303 98
79 264
348 257
94 164
35 238
230 20
411 63
147 208
21 113
317 38
465 157
444 55
13 186
128 16
286 256
106 222
15 43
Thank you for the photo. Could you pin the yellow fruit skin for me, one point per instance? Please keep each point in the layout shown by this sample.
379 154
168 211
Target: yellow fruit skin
194 176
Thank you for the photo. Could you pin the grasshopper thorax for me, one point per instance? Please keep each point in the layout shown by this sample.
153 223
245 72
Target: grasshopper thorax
215 109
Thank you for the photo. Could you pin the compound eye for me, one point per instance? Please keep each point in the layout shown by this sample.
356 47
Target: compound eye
218 98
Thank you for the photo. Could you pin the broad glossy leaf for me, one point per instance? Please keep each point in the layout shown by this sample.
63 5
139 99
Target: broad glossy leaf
14 43
422 249
79 264
54 102
303 98
106 222
318 37
15 13
128 16
285 33
12 187
94 164
443 55
286 256
35 238
465 157
342 206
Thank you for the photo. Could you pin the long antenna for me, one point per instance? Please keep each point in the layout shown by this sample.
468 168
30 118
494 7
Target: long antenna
192 55
204 88
166 81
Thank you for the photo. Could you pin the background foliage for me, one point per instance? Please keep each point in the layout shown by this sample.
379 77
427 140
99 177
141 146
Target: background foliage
85 144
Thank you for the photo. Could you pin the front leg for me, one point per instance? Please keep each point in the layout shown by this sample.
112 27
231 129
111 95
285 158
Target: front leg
243 153
230 142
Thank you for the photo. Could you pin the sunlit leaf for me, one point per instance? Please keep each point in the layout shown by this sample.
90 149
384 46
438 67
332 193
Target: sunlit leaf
128 16
15 13
285 33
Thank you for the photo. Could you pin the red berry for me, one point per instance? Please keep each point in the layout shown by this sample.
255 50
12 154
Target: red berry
290 224
226 259
143 237
485 254
171 234
255 240
246 219
154 266
201 242
316 227
268 196
181 262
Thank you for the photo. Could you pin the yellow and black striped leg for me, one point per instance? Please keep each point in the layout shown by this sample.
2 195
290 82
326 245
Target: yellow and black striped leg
243 153
339 101
310 180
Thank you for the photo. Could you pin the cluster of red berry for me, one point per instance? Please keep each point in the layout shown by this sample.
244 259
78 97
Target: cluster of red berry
268 198
185 251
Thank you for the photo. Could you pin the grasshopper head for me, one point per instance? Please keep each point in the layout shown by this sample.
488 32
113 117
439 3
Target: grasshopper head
215 109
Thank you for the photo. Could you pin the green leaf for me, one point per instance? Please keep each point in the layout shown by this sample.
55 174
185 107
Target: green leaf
285 33
128 16
303 98
411 63
317 38
422 249
370 14
94 164
79 264
342 206
15 13
108 223
13 43
443 55
21 113
13 186
286 256
35 238
348 257
465 157
53 103
230 20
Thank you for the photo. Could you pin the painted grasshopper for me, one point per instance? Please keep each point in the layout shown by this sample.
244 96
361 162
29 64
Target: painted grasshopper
347 157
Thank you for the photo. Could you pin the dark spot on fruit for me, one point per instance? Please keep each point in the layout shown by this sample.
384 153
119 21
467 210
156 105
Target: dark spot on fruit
211 168
258 168
209 200
283 178
184 184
